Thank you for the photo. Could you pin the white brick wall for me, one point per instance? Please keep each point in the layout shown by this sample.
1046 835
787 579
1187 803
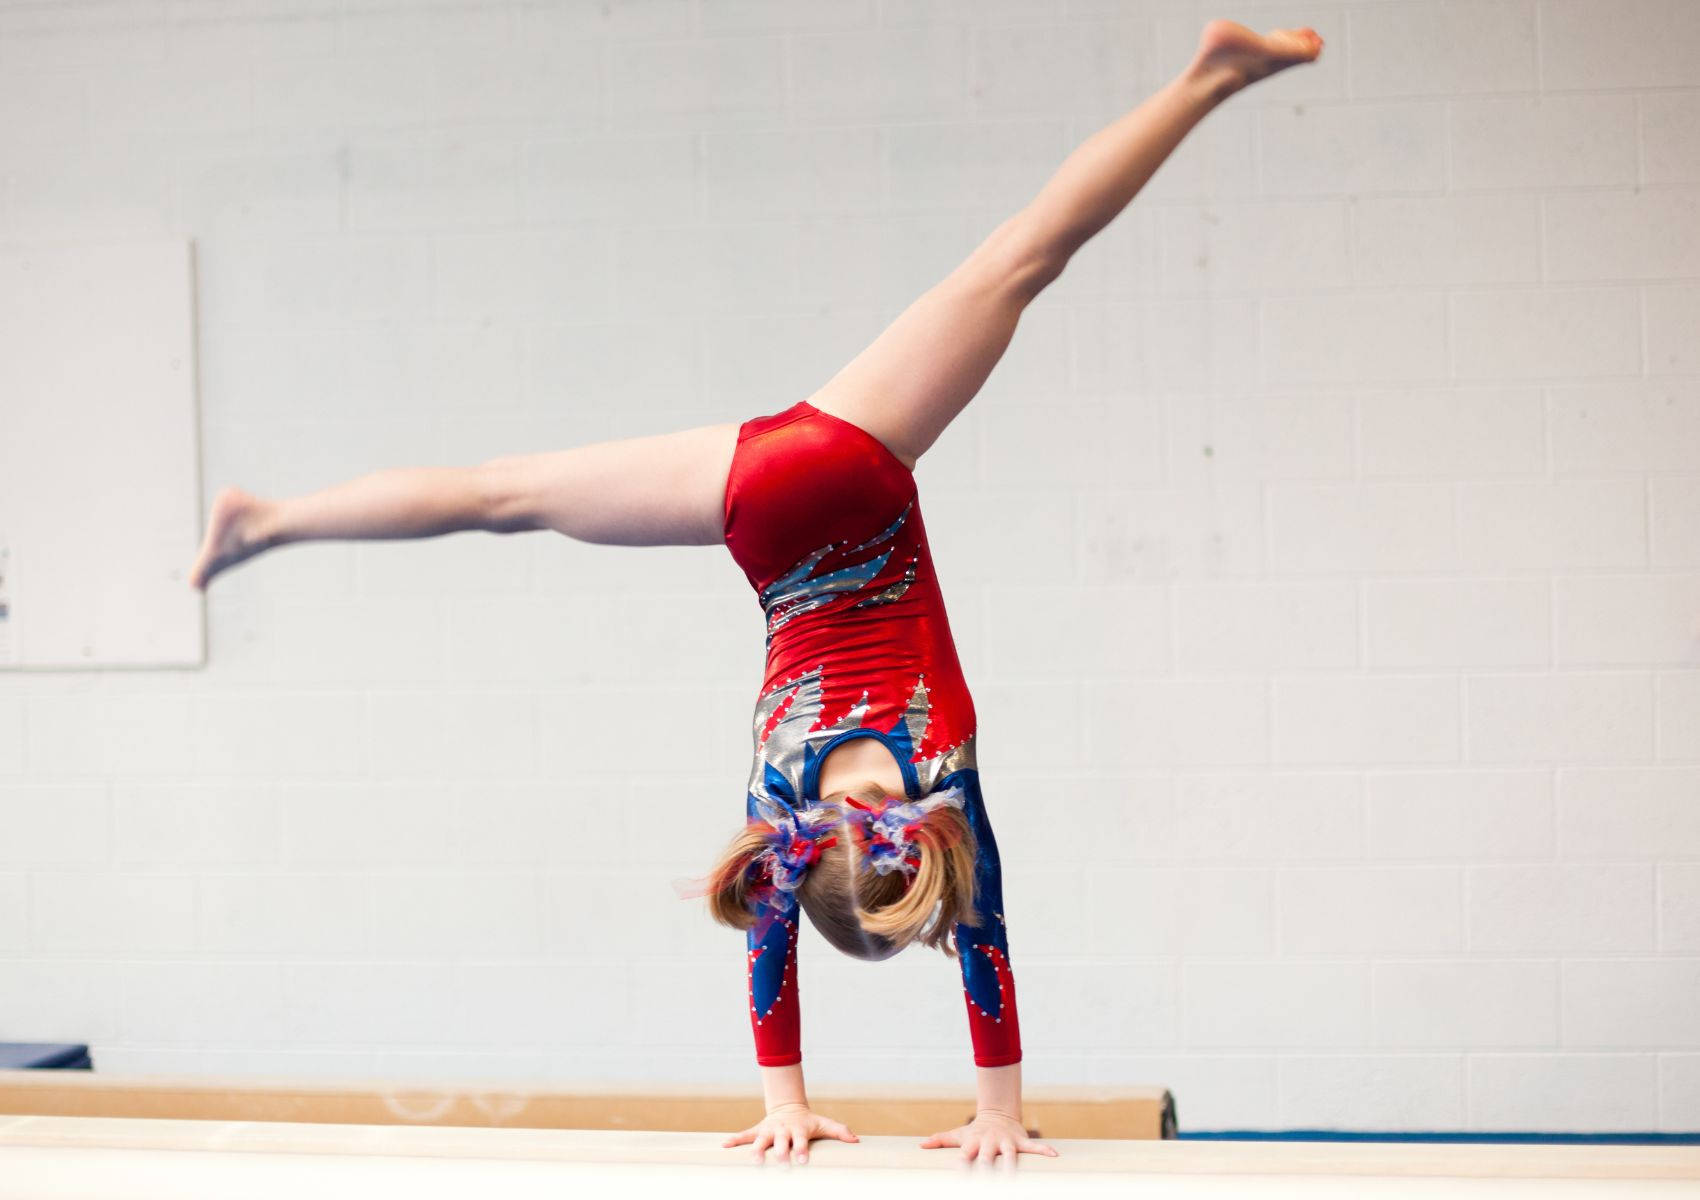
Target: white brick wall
1343 734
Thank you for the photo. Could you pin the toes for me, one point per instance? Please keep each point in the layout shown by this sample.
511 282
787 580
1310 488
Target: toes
1299 44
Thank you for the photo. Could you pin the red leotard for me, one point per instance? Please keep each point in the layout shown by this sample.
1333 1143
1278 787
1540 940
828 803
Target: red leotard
824 521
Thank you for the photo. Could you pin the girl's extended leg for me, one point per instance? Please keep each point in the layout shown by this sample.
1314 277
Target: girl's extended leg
665 490
913 380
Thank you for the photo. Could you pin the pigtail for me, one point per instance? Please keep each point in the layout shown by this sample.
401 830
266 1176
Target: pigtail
940 894
737 876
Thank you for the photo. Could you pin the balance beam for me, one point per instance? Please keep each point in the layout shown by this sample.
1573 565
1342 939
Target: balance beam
138 1159
1120 1113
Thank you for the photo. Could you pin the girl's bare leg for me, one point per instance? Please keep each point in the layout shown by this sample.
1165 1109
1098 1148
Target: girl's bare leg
650 491
914 379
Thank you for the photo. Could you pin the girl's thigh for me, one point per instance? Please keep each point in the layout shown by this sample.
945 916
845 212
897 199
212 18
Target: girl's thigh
662 490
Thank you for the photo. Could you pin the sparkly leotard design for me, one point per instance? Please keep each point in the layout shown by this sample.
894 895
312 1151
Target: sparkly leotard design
824 522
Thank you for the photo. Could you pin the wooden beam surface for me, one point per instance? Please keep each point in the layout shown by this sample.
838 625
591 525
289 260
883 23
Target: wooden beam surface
1086 1157
1119 1113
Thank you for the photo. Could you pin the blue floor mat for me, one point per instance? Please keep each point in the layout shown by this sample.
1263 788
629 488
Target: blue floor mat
1514 1139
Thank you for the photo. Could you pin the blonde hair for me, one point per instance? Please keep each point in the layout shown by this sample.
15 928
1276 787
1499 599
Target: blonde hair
858 910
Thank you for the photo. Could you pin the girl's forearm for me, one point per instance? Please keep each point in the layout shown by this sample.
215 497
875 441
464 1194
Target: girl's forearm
999 1090
783 1087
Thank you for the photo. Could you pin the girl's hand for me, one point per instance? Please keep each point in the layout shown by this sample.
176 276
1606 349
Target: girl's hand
988 1135
790 1128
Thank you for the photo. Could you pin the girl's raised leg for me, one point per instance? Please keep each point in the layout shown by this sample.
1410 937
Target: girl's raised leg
914 379
664 490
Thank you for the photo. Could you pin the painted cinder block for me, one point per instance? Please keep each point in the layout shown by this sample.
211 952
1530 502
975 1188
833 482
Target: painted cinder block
1225 442
766 173
356 1002
56 824
1629 426
1301 1004
972 165
1679 907
1518 524
298 913
1602 44
1355 719
1438 49
1093 444
1461 432
14 911
378 825
1252 818
1326 528
1232 627
615 180
1542 141
1130 1004
1559 1093
1364 147
1560 908
1618 1003
1611 620
1550 333
1211 911
431 181
1594 716
451 914
1670 137
190 1004
1457 622
907 72
62 999
117 913
1363 1091
1629 813
1613 235
1674 501
1678 715
1332 338
1253 246
1482 1004
1084 68
1670 312
1679 1092
1449 815
1114 632
684 83
1464 239
1370 910
1180 722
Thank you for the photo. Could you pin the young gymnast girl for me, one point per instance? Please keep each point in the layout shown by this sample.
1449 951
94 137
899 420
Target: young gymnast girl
864 808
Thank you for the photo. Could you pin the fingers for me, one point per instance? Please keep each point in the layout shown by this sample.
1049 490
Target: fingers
838 1130
995 1149
789 1139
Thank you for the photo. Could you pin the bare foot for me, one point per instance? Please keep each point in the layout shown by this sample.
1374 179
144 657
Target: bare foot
232 535
1234 56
